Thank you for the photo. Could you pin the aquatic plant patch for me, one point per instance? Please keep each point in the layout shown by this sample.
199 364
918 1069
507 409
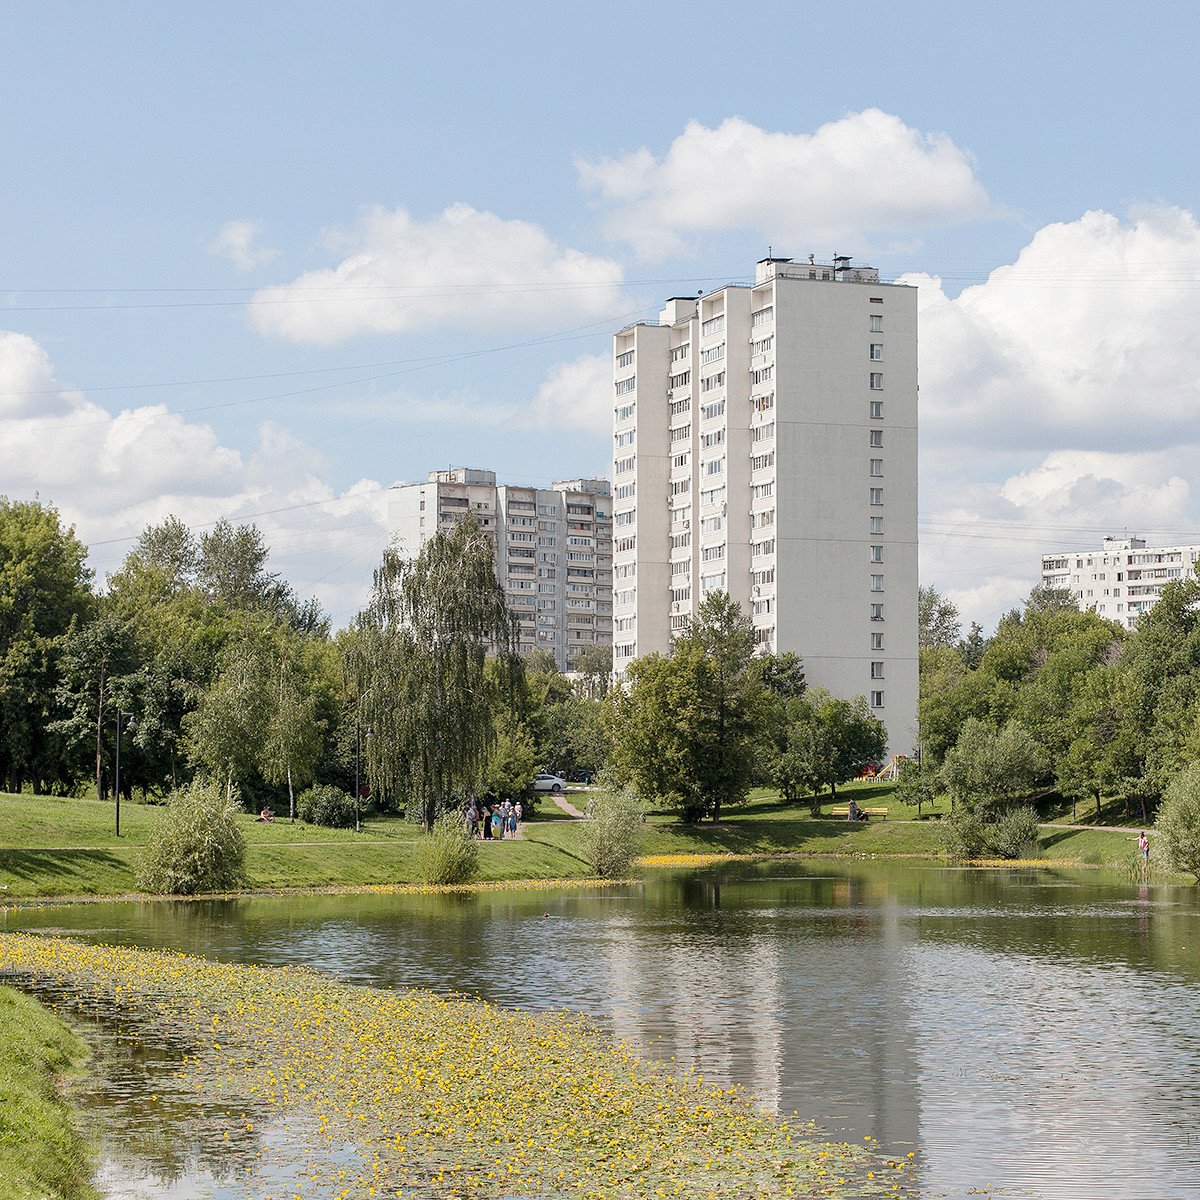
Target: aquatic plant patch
454 1097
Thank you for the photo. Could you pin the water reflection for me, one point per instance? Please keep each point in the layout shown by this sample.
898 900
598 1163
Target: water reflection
1031 1031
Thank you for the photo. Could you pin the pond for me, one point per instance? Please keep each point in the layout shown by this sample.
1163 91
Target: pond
1030 1032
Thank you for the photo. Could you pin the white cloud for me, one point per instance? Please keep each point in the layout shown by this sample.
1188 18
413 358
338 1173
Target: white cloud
112 474
235 241
576 394
1059 402
463 267
867 173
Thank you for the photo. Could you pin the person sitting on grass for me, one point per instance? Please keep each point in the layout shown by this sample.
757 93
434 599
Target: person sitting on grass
266 814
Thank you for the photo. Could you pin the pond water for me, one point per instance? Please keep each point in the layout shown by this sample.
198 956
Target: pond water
1022 1032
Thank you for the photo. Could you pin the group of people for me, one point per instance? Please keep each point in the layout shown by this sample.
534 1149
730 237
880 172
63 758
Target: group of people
492 821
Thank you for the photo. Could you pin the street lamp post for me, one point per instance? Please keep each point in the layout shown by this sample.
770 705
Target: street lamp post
357 766
121 723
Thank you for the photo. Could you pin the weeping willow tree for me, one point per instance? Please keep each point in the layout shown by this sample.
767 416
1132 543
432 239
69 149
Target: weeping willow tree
417 662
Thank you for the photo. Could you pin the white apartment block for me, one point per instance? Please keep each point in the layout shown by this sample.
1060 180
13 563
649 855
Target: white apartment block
1122 579
553 549
765 443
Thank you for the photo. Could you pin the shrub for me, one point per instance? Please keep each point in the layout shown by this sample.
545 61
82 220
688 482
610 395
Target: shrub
1178 822
612 836
322 804
1015 834
447 853
965 834
196 845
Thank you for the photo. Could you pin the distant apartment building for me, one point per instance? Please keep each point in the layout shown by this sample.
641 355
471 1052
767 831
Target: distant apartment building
1121 580
553 549
765 444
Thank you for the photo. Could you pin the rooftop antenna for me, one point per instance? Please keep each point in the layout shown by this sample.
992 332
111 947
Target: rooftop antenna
770 251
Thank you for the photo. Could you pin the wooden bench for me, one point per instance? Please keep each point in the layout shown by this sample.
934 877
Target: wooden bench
875 814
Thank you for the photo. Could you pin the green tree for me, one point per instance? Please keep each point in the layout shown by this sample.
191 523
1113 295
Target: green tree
44 589
594 666
420 668
988 770
916 785
685 731
1178 822
295 732
226 733
937 619
829 740
511 764
96 661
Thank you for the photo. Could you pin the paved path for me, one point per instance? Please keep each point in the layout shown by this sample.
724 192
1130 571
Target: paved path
564 804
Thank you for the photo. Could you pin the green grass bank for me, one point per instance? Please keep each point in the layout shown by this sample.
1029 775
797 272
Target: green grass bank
53 846
42 1154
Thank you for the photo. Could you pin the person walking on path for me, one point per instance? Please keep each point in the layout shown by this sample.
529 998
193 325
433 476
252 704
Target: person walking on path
487 823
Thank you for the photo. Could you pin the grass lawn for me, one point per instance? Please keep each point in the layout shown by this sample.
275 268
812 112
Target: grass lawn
42 1155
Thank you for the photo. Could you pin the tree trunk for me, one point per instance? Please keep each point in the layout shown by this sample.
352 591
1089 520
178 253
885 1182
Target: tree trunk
291 797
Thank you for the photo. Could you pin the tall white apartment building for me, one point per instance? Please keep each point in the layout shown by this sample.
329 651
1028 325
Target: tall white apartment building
553 549
1121 580
765 443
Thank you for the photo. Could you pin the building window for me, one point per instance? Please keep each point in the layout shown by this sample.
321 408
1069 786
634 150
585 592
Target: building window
680 380
680 352
714 410
713 325
877 670
626 385
876 352
877 554
626 359
709 382
877 641
877 495
712 354
876 524
625 412
877 583
876 612
877 467
877 381
714 467
762 316
876 437
876 410
625 438
877 322
876 699
680 460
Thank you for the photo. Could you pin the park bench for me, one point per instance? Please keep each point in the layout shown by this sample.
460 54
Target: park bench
875 814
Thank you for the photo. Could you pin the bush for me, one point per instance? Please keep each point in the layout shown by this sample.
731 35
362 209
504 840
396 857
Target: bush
322 804
196 845
966 835
611 838
448 853
1178 822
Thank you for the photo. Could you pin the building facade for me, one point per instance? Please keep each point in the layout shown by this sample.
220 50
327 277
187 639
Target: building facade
553 549
1121 580
765 444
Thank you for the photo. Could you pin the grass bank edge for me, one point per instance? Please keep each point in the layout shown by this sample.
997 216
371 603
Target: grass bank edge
43 1154
384 853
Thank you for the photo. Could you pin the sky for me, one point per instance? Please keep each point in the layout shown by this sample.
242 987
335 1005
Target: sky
263 261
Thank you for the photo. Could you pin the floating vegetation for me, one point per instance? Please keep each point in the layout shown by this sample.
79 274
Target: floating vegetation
452 1097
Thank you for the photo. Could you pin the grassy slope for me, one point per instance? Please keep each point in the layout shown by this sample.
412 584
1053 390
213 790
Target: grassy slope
53 847
41 1152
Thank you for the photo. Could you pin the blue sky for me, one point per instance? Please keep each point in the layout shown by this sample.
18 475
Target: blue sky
263 260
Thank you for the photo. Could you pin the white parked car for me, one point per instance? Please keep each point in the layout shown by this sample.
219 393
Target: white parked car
545 782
